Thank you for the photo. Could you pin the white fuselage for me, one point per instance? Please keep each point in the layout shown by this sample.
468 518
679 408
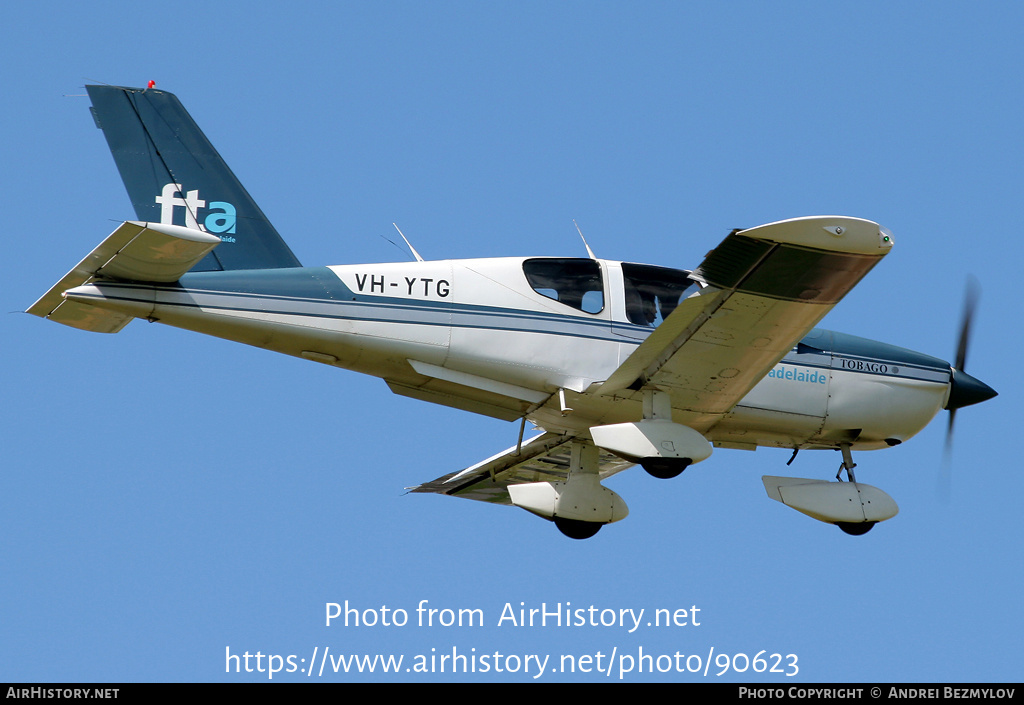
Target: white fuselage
475 335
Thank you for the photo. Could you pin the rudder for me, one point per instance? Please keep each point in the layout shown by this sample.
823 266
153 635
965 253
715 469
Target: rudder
174 176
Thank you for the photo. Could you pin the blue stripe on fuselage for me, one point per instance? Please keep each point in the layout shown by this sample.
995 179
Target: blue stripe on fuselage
315 286
848 353
318 292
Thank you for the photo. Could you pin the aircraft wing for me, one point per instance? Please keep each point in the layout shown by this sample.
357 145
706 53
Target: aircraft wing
543 458
135 251
767 287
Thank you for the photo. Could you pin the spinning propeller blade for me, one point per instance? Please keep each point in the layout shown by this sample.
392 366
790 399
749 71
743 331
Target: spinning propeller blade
964 389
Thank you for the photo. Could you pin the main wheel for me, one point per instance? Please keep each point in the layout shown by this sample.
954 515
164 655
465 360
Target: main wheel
856 529
576 529
665 468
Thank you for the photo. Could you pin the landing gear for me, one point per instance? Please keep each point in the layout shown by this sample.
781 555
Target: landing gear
850 527
852 506
848 464
665 468
662 447
858 529
579 505
576 529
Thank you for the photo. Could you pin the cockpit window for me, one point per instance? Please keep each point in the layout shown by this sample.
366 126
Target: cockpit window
652 293
573 282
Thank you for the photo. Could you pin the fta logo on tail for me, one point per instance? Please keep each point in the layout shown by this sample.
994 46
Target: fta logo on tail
220 219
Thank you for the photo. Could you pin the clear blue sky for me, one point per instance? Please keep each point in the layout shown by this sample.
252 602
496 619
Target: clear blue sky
165 496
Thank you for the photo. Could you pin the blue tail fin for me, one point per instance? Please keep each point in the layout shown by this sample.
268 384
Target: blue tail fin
174 175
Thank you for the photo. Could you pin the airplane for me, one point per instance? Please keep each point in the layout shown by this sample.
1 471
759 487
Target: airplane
616 364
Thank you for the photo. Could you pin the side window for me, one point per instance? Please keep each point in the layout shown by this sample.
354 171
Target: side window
652 293
573 282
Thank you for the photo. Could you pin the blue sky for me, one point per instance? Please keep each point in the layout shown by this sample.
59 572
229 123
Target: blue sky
165 496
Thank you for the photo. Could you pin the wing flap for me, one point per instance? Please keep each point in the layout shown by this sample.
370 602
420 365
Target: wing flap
135 251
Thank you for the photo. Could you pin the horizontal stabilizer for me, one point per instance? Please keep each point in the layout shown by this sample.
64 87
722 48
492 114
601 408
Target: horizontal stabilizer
141 252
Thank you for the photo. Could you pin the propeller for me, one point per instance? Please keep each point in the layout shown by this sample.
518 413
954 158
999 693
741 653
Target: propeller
964 389
970 306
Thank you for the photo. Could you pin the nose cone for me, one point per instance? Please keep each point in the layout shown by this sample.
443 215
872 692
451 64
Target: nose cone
966 390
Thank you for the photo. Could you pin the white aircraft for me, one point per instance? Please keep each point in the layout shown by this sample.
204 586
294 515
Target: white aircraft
616 363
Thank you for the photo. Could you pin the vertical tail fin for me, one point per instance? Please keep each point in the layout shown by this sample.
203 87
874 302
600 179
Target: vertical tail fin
175 176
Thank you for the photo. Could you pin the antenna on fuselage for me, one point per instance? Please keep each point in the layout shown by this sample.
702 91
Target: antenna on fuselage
589 251
409 244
